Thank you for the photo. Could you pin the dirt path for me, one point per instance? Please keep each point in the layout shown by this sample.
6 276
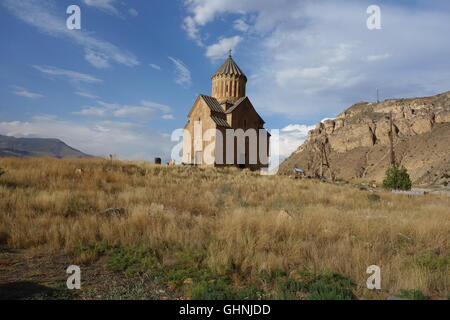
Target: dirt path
35 276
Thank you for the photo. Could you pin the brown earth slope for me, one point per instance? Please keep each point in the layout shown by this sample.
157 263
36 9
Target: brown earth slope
356 144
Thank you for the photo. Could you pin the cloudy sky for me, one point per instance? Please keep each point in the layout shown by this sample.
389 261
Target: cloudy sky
128 78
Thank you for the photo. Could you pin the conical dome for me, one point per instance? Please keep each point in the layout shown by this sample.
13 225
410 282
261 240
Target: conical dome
228 82
229 67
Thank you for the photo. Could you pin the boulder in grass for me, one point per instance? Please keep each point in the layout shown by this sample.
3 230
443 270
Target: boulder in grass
283 215
111 212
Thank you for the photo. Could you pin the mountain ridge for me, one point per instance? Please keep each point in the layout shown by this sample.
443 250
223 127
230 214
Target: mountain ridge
355 145
37 147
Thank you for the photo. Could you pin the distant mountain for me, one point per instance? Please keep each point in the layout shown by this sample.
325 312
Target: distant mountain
37 147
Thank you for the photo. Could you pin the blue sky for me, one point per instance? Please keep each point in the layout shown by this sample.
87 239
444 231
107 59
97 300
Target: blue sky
128 78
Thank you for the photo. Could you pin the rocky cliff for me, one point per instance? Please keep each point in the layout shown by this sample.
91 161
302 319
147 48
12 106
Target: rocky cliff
356 145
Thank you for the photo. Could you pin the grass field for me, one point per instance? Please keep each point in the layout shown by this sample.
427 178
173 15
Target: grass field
204 233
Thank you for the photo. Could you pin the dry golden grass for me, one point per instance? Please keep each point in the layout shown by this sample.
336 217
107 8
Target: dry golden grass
233 216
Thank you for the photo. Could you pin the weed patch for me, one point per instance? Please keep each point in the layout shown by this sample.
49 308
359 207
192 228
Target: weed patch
412 294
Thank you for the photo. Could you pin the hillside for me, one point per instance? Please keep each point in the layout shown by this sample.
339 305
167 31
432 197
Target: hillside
37 147
182 232
356 143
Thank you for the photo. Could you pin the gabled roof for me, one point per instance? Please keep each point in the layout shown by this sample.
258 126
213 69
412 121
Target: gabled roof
214 106
229 67
212 103
238 103
235 105
221 122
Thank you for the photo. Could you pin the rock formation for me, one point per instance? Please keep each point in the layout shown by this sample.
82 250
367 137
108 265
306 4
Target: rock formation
355 145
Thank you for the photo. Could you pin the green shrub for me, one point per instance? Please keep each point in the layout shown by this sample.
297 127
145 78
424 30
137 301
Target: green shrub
413 294
330 286
445 183
131 260
243 202
2 171
434 262
373 197
397 178
137 259
250 293
316 286
212 290
94 249
286 289
272 274
222 290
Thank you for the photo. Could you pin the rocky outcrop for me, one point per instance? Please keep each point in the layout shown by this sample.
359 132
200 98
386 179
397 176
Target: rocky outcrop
355 145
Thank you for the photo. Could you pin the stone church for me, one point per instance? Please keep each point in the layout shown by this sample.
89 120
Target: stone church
224 128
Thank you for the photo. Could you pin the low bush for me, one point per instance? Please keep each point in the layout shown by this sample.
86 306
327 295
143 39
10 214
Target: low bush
373 197
397 178
413 294
316 286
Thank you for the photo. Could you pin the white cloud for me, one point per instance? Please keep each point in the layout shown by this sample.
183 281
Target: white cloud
168 117
23 92
97 59
70 75
341 52
286 76
127 140
183 74
92 111
133 12
154 66
221 48
109 106
86 95
266 13
104 5
190 26
154 105
135 112
47 19
145 111
291 137
378 57
240 25
301 129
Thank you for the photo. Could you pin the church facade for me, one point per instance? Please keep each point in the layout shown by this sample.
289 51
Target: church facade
224 129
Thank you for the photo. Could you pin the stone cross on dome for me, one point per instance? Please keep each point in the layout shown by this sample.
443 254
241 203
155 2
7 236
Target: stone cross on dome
229 53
